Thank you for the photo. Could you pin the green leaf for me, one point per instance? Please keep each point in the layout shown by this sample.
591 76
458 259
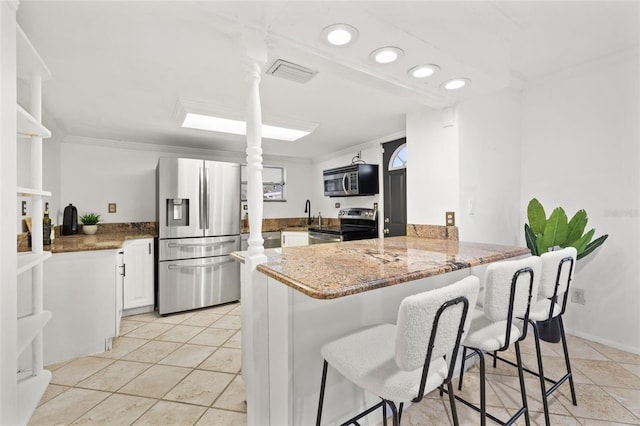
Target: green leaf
530 237
576 226
542 248
581 243
537 217
593 245
557 229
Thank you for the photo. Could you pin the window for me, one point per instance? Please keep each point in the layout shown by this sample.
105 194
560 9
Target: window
273 183
399 158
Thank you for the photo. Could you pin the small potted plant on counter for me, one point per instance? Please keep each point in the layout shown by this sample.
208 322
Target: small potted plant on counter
90 223
544 234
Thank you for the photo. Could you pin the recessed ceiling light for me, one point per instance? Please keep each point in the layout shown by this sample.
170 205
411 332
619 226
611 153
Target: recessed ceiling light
340 35
237 127
386 55
422 71
456 83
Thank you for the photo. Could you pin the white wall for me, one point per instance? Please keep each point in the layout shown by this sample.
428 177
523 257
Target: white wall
432 167
95 173
489 144
581 150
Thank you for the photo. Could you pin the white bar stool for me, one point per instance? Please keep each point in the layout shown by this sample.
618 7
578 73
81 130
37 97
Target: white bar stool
509 288
555 280
426 339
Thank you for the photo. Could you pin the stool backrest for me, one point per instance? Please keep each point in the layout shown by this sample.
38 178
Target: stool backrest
422 323
557 271
500 288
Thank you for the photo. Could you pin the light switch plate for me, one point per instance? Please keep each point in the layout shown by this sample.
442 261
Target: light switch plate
24 208
337 205
112 207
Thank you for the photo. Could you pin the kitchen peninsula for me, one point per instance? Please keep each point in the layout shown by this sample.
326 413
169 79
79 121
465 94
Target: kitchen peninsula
303 297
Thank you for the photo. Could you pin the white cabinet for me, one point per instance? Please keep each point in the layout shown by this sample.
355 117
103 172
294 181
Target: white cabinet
81 292
294 238
138 277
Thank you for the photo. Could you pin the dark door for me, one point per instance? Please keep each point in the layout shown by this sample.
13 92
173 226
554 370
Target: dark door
395 188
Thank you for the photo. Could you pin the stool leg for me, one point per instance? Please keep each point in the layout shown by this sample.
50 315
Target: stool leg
543 390
321 401
522 389
394 411
483 396
567 362
384 414
452 402
464 356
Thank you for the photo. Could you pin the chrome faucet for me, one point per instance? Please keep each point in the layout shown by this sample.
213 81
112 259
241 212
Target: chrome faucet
319 219
307 209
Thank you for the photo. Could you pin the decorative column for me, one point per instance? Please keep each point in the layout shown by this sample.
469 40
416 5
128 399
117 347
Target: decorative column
255 326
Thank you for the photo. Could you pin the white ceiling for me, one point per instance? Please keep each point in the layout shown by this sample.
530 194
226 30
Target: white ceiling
120 67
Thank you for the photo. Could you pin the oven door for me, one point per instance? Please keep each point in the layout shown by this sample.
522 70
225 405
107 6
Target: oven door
321 238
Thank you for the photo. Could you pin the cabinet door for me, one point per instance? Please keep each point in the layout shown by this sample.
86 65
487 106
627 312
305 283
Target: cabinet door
292 239
138 274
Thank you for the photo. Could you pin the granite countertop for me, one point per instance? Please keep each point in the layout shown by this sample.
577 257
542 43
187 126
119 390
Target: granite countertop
81 242
110 236
329 271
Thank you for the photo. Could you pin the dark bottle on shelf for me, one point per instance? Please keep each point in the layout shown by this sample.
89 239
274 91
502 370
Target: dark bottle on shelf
46 226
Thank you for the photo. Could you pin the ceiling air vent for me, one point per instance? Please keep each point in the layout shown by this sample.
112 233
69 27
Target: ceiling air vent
291 71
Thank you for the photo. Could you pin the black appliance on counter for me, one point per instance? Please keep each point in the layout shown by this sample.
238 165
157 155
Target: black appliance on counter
352 180
70 220
355 224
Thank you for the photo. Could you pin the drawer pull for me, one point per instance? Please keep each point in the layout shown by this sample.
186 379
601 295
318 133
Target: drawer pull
218 243
204 265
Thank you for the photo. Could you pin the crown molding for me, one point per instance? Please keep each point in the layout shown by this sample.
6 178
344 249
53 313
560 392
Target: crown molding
586 67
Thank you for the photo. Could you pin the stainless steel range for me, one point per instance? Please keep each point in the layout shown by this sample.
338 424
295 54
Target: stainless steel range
355 224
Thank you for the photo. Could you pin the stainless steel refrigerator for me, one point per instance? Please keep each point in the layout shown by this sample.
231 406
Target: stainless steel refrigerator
198 211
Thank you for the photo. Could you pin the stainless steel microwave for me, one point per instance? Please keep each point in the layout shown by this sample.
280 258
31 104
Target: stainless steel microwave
352 180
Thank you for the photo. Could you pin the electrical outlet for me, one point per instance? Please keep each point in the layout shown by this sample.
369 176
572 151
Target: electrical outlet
577 296
337 205
24 208
375 206
112 207
450 218
245 207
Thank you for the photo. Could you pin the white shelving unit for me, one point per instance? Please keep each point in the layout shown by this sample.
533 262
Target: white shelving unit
30 385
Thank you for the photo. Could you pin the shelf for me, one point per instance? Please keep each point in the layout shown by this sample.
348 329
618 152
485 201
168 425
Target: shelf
29 327
28 260
30 192
29 62
30 390
28 126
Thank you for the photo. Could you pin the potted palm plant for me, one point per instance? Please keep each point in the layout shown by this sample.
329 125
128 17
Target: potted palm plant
90 223
544 233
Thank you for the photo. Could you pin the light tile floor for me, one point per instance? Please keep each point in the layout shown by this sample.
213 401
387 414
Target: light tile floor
184 370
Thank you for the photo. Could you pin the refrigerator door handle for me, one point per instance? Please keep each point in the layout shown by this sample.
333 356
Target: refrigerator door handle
204 265
201 195
217 243
206 198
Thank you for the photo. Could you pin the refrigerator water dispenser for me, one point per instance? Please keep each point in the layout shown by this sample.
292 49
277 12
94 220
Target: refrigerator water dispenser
177 212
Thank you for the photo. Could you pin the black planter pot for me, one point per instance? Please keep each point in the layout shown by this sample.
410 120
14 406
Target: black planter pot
549 331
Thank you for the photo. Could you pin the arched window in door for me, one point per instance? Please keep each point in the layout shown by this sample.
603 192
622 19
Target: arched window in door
399 158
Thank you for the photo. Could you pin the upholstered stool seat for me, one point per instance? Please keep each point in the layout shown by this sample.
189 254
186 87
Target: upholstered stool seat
367 359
